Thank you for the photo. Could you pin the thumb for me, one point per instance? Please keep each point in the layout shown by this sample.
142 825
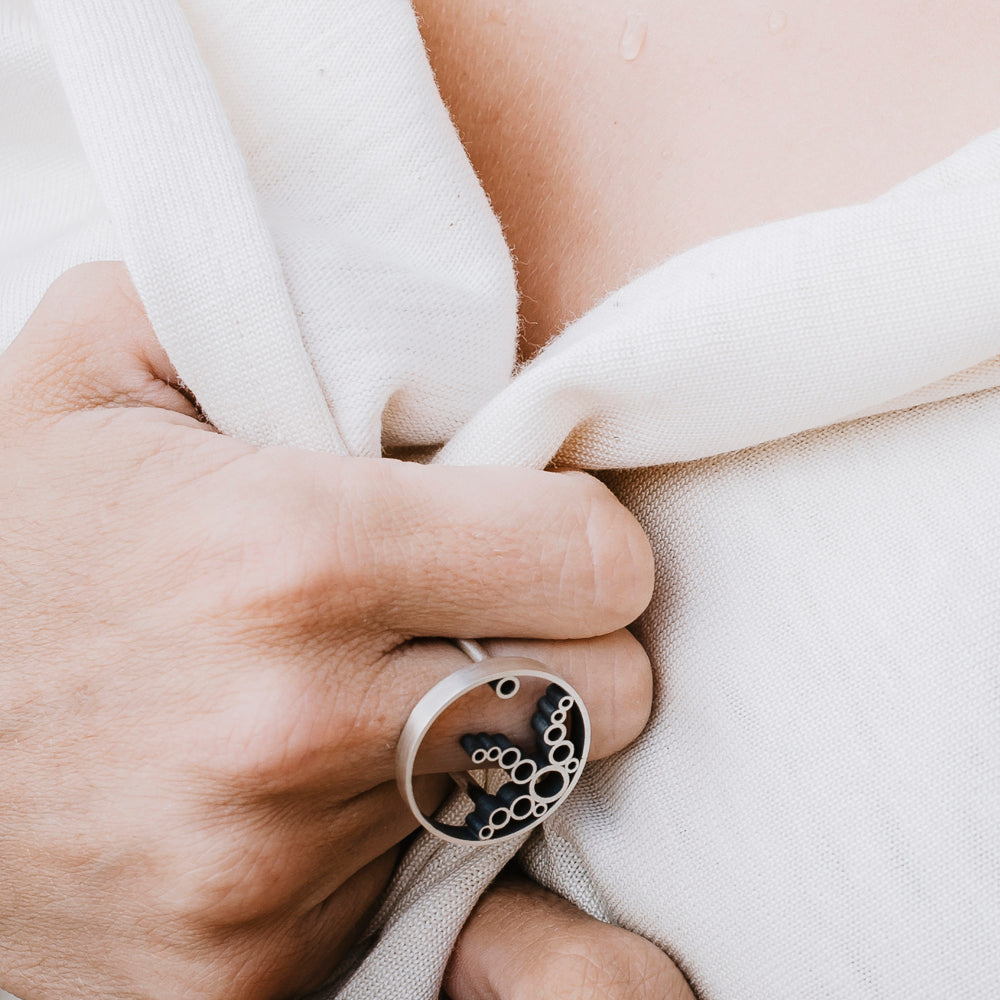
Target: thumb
525 943
89 344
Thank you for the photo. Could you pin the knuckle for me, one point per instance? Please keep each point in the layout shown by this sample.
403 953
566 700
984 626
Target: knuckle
85 300
237 881
88 285
271 736
80 322
245 856
300 725
308 538
611 964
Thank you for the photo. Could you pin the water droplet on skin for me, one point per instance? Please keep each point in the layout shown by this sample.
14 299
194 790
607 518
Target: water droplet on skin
499 13
777 21
633 36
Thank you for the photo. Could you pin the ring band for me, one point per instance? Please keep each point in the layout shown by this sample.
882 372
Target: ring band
512 790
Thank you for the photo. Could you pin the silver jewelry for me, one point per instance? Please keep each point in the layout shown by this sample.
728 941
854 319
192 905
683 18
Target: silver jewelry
510 790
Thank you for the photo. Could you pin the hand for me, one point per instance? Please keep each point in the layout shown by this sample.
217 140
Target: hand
208 651
524 943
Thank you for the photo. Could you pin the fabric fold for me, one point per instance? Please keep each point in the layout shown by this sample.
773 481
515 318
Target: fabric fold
769 332
190 227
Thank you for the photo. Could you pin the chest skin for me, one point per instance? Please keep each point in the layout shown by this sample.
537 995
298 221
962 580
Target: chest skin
611 134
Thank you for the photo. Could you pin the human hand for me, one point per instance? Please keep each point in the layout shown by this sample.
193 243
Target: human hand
524 943
208 651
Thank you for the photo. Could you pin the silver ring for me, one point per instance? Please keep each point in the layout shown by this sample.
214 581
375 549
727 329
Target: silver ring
510 789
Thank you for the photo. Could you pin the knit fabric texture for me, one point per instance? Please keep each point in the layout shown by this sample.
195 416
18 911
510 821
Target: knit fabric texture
804 416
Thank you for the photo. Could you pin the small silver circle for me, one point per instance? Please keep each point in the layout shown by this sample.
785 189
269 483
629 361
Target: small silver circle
521 807
561 752
523 771
507 687
549 784
499 818
554 735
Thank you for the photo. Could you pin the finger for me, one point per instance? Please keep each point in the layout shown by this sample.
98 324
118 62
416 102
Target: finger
89 343
611 674
461 551
526 943
432 550
467 552
358 718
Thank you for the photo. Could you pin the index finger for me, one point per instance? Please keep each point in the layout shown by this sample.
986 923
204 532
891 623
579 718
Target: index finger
462 552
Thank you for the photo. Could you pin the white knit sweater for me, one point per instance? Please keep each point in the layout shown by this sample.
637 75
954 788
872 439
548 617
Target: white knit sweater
807 407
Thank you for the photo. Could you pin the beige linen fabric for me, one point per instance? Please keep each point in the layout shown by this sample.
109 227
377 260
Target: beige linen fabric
808 408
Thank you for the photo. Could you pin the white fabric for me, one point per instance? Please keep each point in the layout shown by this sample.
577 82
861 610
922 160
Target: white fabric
814 809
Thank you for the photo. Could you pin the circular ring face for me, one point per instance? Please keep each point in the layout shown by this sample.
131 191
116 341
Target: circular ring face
514 789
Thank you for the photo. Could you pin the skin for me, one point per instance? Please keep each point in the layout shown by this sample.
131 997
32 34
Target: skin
734 113
523 943
210 650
